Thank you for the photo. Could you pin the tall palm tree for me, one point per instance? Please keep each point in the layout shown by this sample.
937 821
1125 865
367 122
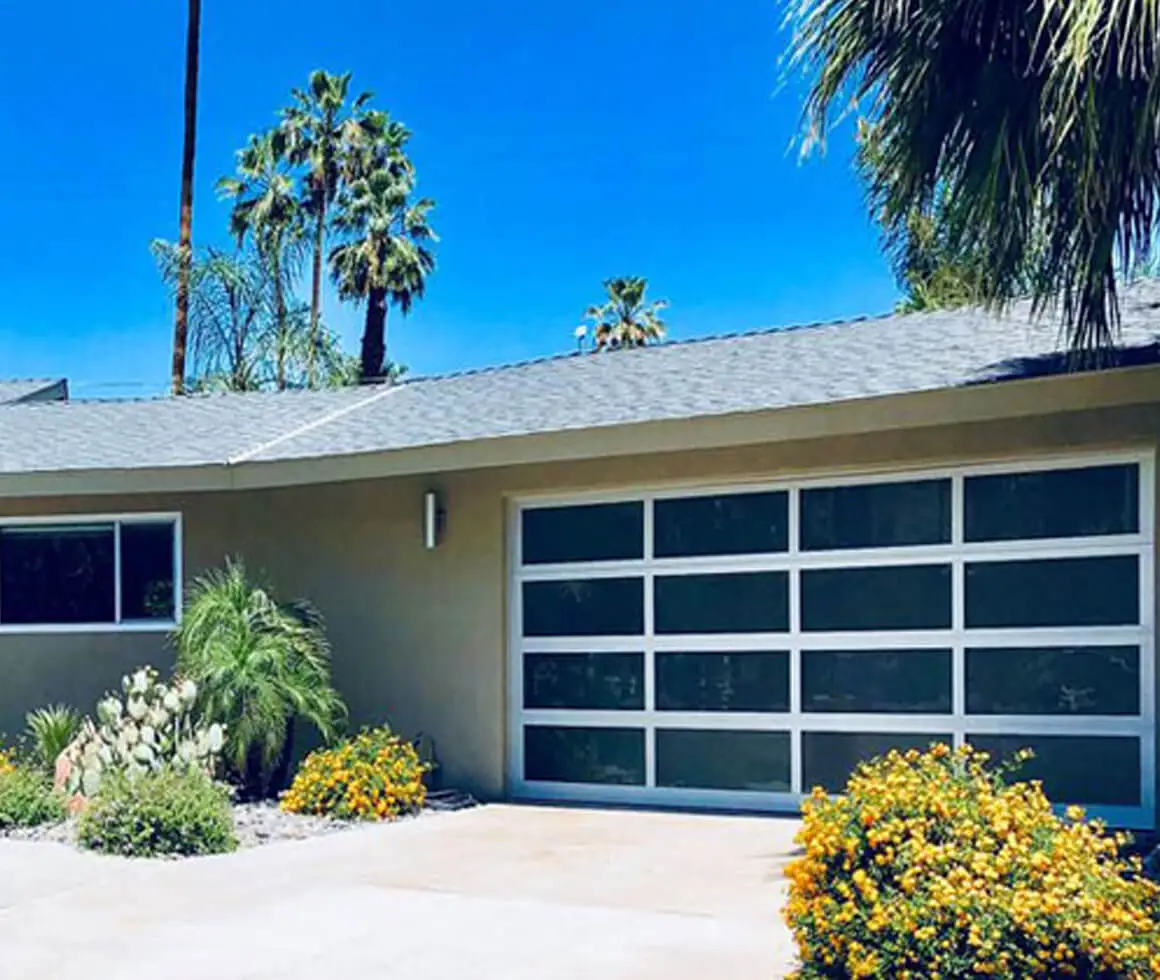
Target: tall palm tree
1032 122
627 319
266 207
321 130
185 234
386 257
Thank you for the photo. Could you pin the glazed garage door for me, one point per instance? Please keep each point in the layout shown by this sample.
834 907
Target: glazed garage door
737 647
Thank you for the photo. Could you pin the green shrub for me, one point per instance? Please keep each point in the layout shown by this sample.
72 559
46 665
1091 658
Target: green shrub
50 731
163 812
261 666
931 866
374 776
27 798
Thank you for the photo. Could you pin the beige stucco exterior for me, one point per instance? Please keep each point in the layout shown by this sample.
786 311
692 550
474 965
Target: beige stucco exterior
420 637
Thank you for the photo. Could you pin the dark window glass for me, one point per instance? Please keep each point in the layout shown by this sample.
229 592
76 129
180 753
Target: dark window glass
893 681
876 515
584 607
54 575
561 754
745 681
830 758
1078 769
592 681
592 532
1054 592
900 597
739 602
1053 681
732 524
147 571
701 759
1056 504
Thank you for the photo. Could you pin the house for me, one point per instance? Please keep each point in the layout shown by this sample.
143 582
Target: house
712 573
33 390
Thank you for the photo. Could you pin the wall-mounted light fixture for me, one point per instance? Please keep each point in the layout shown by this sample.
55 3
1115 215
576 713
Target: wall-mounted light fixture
434 517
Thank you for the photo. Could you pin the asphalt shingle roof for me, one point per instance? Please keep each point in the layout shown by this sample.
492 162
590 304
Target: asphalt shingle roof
767 369
32 389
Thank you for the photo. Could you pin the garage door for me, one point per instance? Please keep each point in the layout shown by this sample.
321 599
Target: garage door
735 647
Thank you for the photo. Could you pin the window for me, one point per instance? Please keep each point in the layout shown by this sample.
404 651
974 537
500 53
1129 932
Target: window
877 681
731 524
1073 503
584 607
595 532
742 602
595 681
105 572
1054 681
1054 592
904 597
876 515
745 680
569 754
705 759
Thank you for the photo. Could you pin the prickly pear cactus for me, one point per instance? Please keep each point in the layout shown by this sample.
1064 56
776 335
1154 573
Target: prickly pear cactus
148 726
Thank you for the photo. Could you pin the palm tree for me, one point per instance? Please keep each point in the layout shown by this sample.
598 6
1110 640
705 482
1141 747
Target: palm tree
385 258
230 334
627 319
185 234
260 666
266 207
322 130
1032 121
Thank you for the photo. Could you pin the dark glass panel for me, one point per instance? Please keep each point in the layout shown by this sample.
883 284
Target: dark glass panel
736 681
1074 769
899 597
1053 681
57 575
562 754
586 681
731 524
584 607
830 758
147 571
587 532
737 602
1054 592
876 515
1056 504
701 759
886 681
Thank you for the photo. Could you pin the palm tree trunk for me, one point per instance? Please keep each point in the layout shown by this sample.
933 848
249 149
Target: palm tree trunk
374 339
316 289
280 312
185 234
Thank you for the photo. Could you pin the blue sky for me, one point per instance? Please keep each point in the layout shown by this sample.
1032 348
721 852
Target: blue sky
564 143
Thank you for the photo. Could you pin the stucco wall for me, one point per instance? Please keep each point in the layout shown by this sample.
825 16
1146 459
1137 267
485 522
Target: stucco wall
420 637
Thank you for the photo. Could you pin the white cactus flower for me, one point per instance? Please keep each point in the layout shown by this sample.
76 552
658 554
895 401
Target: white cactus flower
188 691
137 708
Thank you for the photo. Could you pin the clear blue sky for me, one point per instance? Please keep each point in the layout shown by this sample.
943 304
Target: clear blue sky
564 143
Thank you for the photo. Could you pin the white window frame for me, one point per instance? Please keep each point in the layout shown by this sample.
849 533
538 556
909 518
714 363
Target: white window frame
119 625
957 553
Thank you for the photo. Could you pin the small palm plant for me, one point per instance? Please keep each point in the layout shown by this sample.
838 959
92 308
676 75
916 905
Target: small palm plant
261 666
50 731
627 319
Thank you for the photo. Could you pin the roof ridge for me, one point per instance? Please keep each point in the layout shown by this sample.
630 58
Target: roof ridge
310 426
652 348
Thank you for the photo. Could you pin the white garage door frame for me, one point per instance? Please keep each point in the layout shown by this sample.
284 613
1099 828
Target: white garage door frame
795 721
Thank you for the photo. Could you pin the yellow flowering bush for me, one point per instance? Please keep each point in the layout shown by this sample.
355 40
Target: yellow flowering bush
933 867
375 775
7 761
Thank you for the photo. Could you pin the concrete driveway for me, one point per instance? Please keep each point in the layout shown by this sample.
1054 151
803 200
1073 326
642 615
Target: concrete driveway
497 892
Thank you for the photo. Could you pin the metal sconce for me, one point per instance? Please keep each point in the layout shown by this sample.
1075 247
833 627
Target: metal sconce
434 518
